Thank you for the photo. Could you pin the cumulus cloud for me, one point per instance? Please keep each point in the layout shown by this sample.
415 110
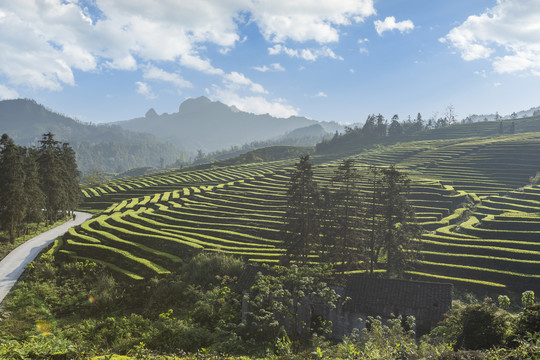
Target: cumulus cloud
390 24
508 35
236 79
153 73
7 93
252 104
321 94
272 67
281 20
306 54
145 90
43 41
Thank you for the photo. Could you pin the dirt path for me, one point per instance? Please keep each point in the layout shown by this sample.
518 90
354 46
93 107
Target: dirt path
12 266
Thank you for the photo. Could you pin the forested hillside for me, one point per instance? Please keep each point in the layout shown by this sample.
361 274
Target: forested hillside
104 147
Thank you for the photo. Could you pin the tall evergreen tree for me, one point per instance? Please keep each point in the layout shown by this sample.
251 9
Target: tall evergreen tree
370 127
395 128
70 177
396 227
12 196
50 173
382 126
371 211
301 225
344 222
34 197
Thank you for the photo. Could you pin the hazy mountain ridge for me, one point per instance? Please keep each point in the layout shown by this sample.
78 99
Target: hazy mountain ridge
492 117
107 147
207 125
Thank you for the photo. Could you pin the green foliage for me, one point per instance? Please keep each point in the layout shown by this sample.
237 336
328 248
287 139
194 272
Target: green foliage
301 224
476 326
342 218
277 298
503 301
528 321
393 227
527 298
12 195
380 340
206 269
37 347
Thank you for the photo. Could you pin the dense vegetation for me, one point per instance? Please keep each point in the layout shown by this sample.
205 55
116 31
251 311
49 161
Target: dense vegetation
36 184
156 270
77 310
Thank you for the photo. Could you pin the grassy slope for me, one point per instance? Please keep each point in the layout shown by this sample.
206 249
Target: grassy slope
236 209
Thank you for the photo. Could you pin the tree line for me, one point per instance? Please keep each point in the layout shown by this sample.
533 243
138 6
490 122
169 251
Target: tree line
377 127
349 227
36 183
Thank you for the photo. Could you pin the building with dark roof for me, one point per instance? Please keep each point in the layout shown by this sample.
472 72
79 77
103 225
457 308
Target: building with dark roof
368 296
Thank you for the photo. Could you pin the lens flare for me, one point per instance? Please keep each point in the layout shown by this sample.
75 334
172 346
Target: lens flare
91 299
44 327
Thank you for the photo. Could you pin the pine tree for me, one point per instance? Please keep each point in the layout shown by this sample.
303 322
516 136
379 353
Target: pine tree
344 220
371 211
301 223
395 128
396 227
12 196
34 197
70 177
50 174
370 127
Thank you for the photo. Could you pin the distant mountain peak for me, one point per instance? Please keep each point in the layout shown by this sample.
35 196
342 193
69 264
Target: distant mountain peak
194 104
151 114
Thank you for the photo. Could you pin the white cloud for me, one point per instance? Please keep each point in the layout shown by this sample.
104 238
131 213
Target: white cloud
153 73
481 73
196 63
281 20
235 79
44 41
272 67
497 84
145 90
306 54
252 104
390 24
7 93
321 94
508 35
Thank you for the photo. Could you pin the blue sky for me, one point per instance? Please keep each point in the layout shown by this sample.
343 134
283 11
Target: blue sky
103 61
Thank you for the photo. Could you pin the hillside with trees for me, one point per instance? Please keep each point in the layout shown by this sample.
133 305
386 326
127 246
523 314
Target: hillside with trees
105 147
166 261
36 184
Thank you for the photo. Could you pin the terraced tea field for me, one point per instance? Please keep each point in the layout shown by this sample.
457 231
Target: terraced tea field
480 231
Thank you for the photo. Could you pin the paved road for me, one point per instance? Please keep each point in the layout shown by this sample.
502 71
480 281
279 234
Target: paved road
12 266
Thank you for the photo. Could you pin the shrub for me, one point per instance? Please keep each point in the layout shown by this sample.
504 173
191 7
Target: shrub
528 321
206 269
483 326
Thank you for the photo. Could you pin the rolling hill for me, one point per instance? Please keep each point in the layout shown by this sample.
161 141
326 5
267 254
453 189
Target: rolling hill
470 195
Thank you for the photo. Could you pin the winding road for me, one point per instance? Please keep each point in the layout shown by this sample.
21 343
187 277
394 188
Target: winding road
12 266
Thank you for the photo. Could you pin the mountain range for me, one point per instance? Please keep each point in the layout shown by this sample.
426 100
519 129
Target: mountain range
156 140
211 125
